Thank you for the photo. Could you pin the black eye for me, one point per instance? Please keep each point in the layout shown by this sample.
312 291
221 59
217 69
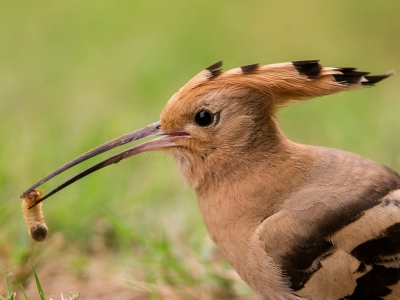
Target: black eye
204 118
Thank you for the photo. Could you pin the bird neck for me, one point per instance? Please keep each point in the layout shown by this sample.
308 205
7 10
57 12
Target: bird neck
255 188
266 153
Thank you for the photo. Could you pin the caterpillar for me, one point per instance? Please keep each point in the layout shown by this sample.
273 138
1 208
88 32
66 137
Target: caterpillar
33 217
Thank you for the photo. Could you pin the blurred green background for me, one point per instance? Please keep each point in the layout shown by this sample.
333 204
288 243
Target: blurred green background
74 74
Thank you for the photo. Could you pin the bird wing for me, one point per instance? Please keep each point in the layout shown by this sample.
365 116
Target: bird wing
338 236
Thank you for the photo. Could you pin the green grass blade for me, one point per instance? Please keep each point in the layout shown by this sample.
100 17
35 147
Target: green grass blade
10 295
40 290
23 291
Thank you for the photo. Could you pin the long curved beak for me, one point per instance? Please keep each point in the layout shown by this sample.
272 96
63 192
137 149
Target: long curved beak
166 140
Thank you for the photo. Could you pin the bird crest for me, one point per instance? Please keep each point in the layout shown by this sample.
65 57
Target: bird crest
279 83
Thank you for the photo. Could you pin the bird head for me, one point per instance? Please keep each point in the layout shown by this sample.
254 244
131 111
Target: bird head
226 119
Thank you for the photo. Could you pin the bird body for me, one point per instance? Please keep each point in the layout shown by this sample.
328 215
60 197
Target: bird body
295 221
291 227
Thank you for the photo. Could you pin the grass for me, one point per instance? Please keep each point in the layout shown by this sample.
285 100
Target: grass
12 295
75 74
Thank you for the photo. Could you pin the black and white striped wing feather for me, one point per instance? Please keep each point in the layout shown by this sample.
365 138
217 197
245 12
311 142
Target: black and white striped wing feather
339 236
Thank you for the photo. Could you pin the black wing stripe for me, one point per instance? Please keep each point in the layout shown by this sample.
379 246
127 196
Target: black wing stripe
375 284
300 268
383 249
381 252
309 250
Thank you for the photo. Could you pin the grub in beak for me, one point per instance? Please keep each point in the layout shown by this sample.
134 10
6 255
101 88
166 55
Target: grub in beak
166 140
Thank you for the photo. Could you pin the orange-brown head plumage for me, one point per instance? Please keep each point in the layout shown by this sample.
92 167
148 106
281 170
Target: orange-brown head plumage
242 103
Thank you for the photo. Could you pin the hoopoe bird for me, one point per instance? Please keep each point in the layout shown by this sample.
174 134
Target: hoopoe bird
295 221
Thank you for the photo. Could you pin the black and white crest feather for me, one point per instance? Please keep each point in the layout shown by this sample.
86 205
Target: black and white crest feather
215 69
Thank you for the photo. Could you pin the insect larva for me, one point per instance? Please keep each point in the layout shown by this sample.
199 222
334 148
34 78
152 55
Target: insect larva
33 217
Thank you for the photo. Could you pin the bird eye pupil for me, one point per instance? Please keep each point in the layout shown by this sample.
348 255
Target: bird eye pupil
204 118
